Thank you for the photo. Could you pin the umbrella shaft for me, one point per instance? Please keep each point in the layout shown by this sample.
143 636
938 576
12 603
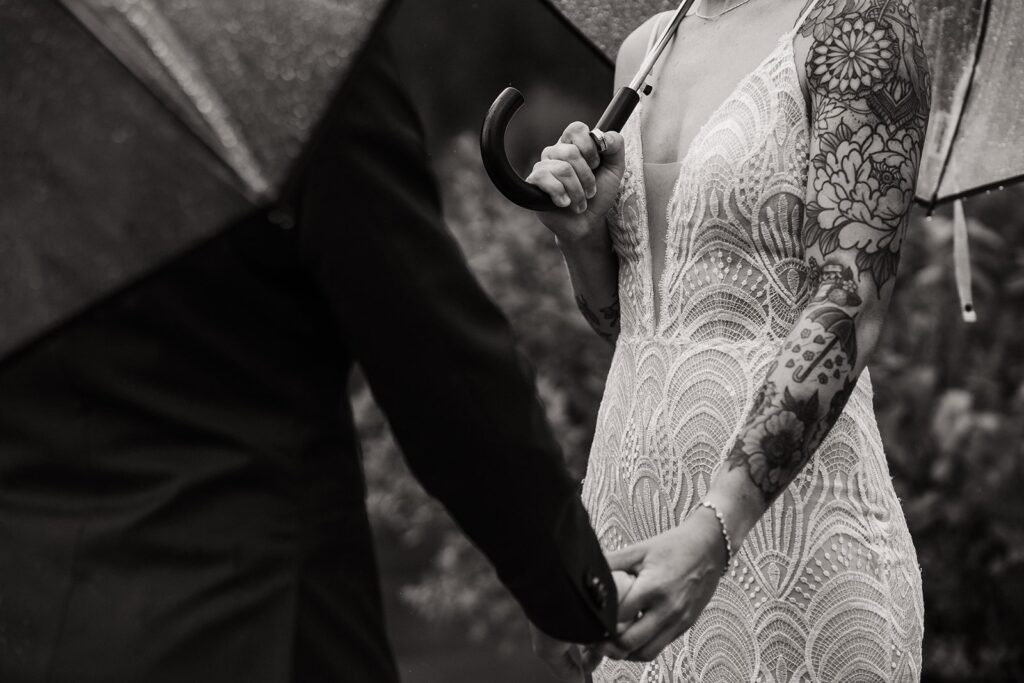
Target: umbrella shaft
652 56
619 110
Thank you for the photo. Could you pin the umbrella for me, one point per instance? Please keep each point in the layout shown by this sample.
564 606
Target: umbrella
975 49
210 104
492 133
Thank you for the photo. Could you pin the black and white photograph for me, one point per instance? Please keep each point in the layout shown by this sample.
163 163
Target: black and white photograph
511 341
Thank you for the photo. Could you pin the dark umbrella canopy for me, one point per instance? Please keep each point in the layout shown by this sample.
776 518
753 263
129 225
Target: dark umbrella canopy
976 53
134 129
606 23
250 77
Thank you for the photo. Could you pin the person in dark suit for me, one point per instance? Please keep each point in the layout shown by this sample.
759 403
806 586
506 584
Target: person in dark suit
181 494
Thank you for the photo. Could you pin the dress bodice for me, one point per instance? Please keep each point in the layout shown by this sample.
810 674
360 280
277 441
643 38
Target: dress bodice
732 268
712 276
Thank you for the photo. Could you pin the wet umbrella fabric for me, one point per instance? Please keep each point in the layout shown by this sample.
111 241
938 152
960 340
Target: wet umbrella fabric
209 105
976 51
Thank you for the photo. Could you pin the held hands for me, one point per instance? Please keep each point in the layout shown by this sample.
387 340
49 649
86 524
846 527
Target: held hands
676 574
568 661
663 583
579 180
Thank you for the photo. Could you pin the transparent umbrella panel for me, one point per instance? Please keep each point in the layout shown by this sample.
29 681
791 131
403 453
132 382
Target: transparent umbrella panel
976 135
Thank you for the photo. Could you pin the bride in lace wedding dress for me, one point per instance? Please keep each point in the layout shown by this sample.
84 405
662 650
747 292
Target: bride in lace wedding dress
744 281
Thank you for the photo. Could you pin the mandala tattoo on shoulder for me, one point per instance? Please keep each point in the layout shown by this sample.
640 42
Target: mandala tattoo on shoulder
868 78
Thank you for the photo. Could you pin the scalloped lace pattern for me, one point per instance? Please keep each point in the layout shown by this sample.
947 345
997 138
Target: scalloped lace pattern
827 586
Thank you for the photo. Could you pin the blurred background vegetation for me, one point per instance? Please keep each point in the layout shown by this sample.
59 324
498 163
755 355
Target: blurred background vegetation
949 397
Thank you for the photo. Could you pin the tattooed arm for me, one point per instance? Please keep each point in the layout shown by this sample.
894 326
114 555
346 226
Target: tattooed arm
594 278
869 105
869 91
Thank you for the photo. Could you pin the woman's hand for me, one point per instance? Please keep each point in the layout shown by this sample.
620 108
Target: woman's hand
676 572
579 180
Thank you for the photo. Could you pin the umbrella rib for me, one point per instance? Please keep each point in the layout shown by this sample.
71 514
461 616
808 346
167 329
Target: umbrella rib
973 192
243 166
982 31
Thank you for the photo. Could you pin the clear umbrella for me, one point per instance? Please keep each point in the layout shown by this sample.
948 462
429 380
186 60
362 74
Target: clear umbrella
976 52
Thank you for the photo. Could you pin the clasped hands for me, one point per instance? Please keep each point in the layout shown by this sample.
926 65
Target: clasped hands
663 584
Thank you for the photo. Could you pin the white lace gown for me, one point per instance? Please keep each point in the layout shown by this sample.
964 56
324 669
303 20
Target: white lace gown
827 585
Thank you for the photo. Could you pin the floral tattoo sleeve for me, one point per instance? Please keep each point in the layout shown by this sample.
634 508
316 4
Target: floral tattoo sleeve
870 91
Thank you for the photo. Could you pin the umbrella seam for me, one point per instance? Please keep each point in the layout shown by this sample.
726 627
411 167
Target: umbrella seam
236 154
947 157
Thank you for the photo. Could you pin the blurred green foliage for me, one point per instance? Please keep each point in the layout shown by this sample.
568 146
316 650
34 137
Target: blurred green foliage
950 404
949 397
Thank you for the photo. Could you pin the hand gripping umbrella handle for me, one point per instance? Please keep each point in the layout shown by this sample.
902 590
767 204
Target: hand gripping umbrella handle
492 144
492 134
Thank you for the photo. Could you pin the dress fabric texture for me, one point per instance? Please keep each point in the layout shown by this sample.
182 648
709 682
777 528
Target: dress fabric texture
827 586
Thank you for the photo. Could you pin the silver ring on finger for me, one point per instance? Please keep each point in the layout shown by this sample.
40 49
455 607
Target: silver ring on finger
639 615
599 138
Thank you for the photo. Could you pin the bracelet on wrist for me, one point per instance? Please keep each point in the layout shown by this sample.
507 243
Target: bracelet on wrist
725 534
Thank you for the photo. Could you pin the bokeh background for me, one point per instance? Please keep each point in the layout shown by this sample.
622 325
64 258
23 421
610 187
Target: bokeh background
949 396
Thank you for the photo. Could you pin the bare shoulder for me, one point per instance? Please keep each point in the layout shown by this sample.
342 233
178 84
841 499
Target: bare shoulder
632 51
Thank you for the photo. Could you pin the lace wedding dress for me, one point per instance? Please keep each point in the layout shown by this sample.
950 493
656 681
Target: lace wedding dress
826 587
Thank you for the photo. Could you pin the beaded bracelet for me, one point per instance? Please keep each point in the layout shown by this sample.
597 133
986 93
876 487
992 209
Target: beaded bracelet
725 534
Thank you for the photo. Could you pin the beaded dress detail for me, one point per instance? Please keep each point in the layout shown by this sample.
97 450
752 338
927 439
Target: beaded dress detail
826 586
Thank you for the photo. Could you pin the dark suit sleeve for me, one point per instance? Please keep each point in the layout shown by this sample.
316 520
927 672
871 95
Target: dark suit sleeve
440 357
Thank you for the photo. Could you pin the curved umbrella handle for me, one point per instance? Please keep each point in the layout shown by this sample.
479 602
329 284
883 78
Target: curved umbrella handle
492 144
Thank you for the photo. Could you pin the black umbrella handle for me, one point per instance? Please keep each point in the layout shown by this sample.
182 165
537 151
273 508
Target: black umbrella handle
492 144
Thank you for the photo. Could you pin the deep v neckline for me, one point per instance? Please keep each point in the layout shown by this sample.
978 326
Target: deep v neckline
784 40
657 293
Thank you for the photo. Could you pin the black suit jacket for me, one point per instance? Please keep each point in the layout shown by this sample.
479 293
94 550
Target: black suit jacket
181 496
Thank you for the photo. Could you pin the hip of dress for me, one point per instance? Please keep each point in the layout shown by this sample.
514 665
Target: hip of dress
671 412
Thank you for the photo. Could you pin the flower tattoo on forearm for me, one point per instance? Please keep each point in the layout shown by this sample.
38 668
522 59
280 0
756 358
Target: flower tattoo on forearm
870 94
